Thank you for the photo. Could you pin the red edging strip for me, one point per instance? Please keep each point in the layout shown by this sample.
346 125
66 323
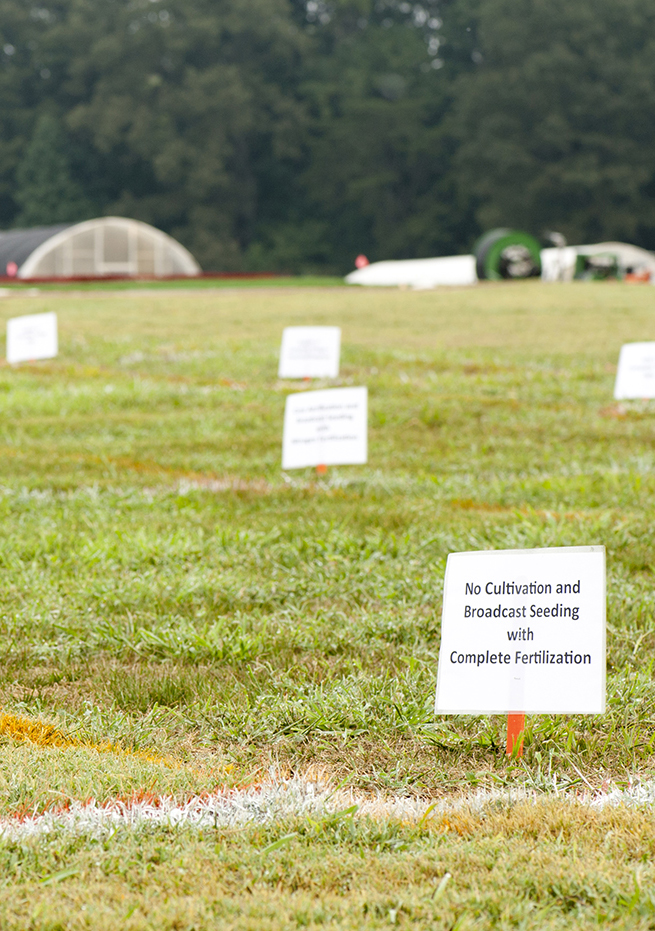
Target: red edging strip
5 279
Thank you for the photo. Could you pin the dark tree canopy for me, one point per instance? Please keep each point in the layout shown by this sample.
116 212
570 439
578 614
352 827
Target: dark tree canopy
293 134
45 190
557 125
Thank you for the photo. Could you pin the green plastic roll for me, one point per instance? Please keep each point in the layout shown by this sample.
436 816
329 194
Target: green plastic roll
503 254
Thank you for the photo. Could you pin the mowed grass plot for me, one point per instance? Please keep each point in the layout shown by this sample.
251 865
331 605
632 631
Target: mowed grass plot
190 617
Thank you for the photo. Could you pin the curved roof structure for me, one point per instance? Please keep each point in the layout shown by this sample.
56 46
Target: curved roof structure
97 248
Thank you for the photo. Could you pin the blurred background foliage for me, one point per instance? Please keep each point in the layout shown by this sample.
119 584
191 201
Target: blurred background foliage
290 135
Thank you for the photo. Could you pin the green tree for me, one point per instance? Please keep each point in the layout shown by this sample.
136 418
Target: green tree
379 167
556 124
268 133
193 106
45 190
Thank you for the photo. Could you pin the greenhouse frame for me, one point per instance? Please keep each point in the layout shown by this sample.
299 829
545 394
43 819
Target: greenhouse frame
100 248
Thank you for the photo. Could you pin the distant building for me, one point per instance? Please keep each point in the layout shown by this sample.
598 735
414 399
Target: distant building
94 249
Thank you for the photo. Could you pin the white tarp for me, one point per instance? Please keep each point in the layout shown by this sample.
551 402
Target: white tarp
559 264
418 273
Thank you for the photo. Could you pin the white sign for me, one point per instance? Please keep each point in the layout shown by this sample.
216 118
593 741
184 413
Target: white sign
325 428
31 337
635 376
523 631
310 352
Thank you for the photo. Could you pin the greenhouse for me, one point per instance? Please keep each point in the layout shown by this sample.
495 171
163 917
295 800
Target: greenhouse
105 247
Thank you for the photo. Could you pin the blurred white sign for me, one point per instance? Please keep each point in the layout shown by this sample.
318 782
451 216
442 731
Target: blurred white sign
31 337
523 631
325 428
635 376
310 352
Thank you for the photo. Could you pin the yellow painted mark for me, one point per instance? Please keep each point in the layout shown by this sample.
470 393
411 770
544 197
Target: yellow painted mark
47 735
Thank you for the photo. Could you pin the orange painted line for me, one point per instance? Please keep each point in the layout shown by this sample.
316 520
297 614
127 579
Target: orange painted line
150 467
21 728
140 795
74 369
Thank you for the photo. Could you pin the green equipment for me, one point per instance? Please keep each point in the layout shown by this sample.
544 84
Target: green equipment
503 254
597 267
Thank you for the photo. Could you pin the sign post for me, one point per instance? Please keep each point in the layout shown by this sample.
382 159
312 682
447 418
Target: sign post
515 733
523 631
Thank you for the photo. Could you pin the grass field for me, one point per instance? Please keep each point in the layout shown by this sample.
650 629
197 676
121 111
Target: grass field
179 616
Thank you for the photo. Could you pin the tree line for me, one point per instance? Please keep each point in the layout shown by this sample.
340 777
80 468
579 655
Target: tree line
295 134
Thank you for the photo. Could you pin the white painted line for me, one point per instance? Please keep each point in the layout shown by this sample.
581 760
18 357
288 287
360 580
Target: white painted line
292 798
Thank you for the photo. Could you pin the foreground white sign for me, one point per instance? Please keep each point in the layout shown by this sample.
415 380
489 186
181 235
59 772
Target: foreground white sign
310 352
635 376
31 337
325 428
523 631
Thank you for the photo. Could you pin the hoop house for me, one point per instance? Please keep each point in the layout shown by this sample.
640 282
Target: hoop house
95 249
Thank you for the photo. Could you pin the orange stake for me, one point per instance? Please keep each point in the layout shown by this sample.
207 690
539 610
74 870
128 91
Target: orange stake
321 469
515 731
